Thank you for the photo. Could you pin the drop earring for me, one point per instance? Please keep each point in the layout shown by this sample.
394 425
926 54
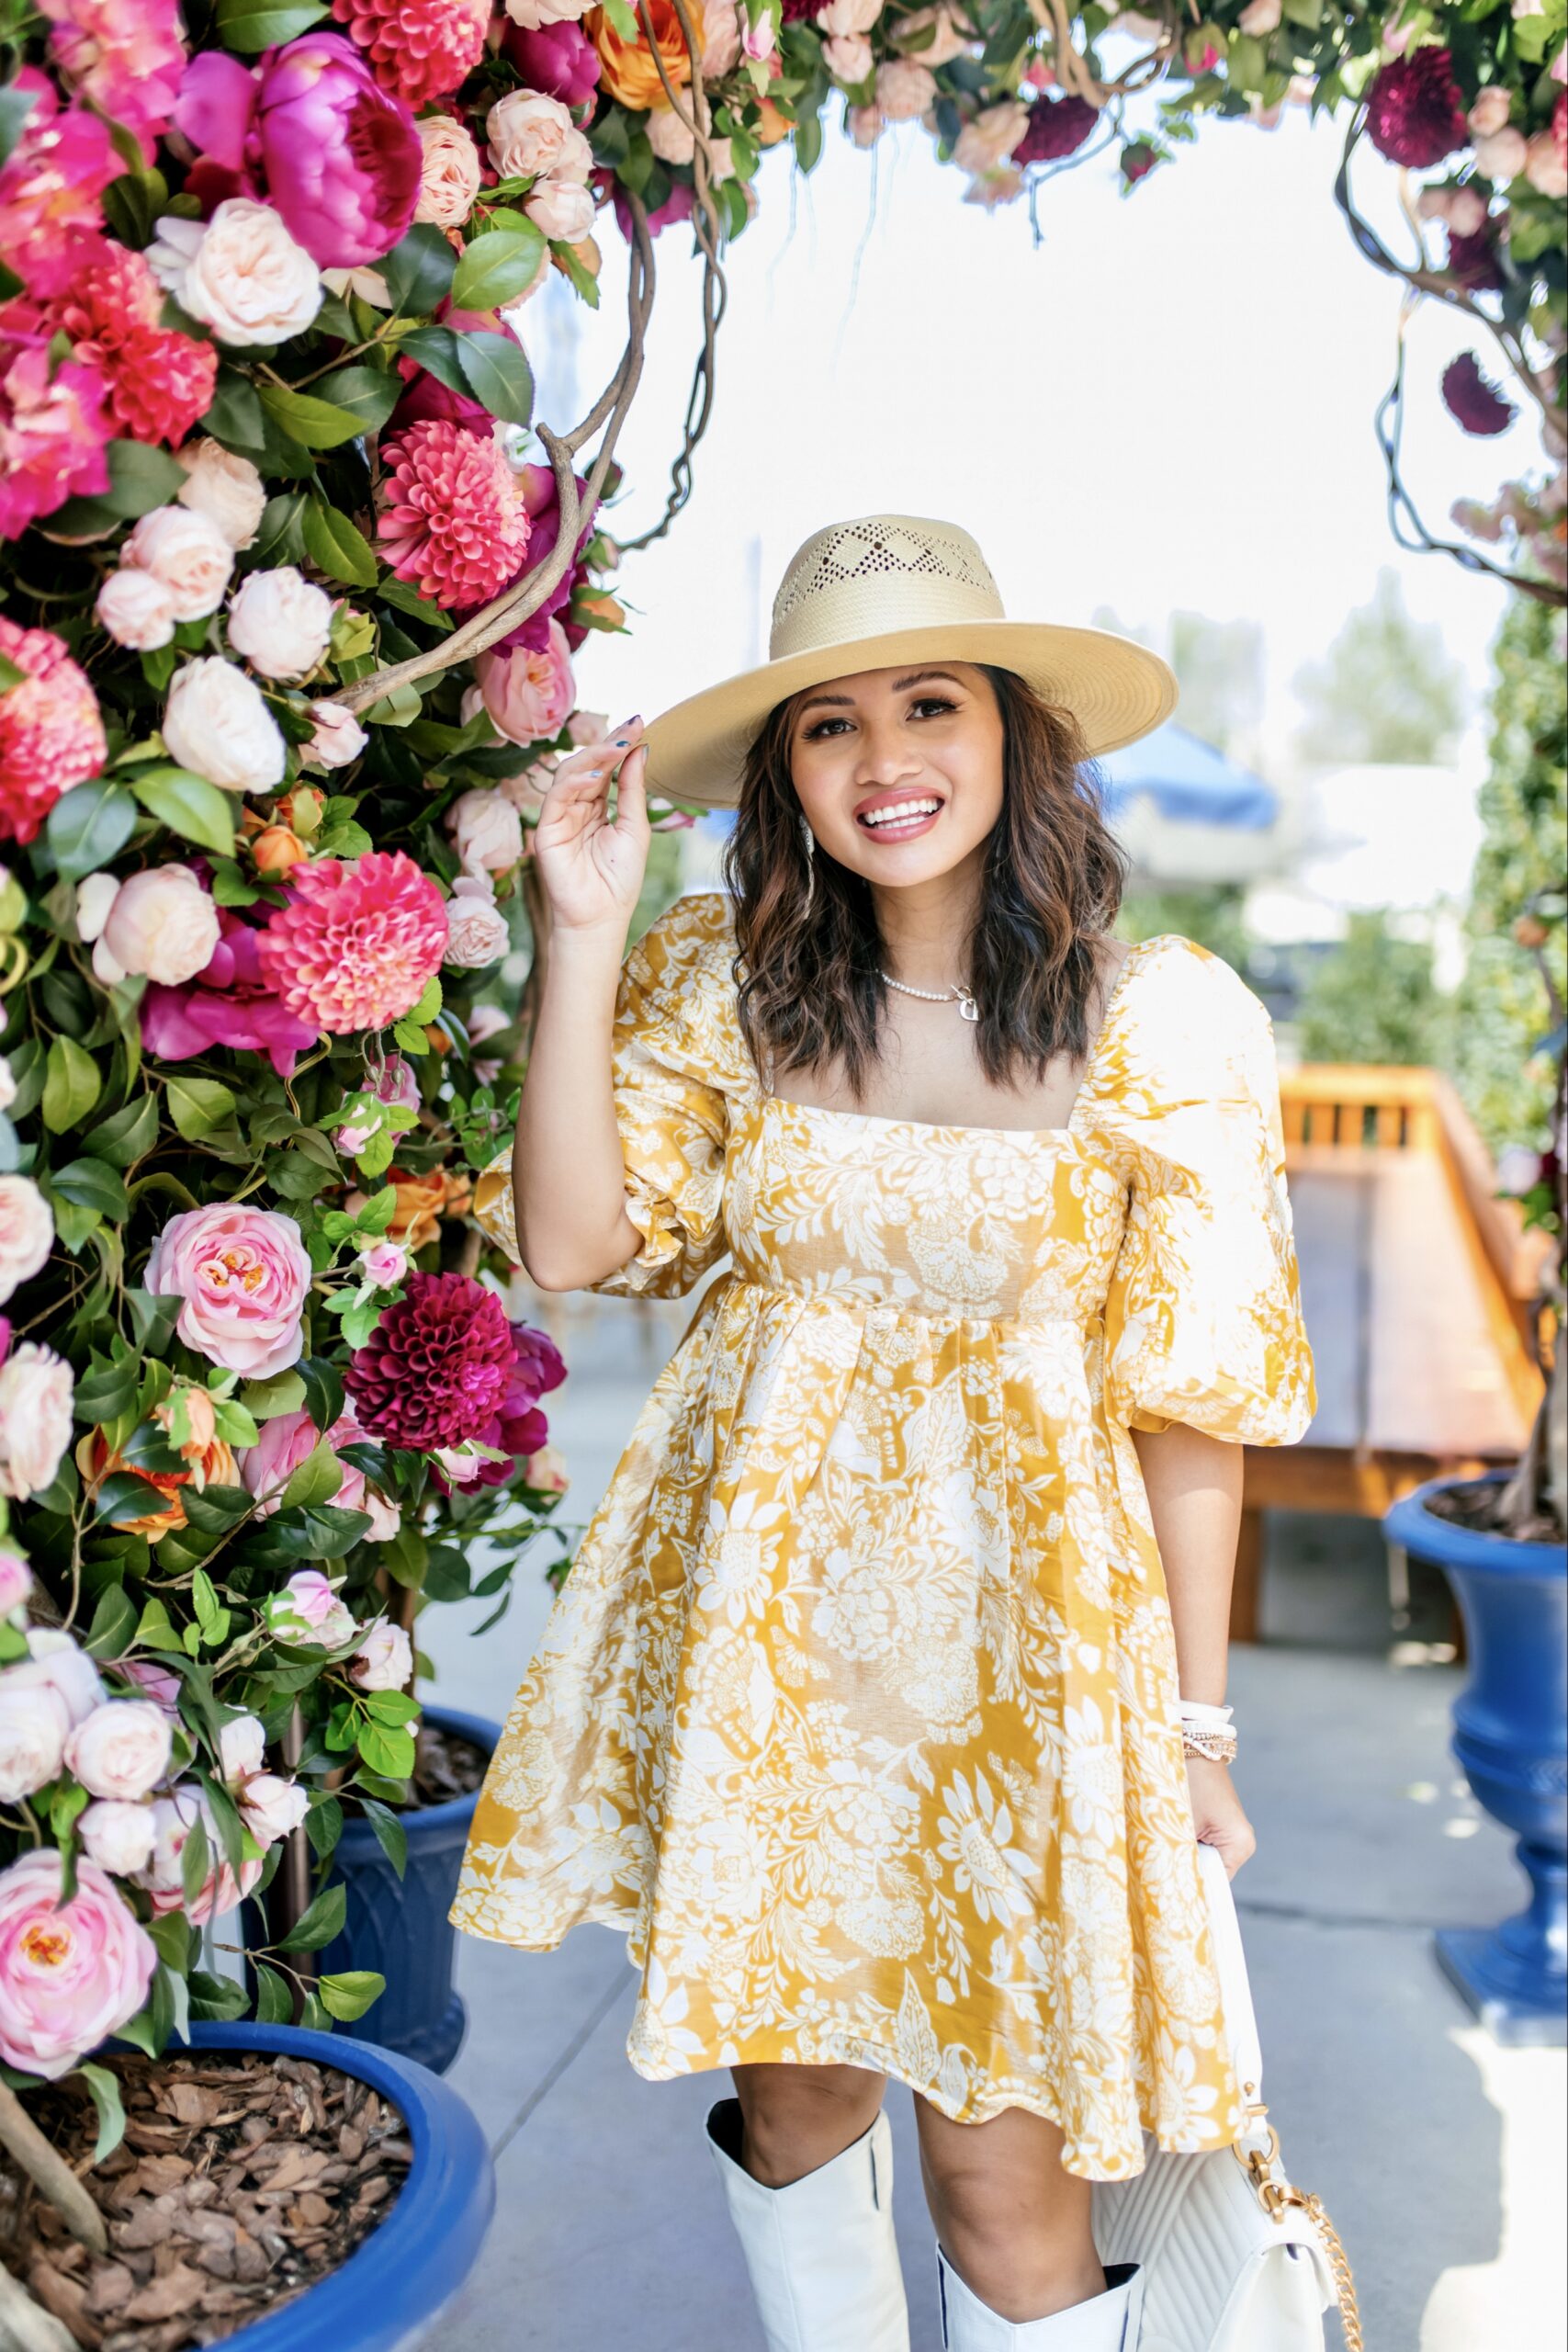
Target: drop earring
809 838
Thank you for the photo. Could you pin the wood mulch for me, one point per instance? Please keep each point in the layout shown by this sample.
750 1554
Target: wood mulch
447 1768
1478 1504
242 2180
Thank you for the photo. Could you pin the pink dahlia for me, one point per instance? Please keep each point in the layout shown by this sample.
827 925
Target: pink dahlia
419 48
159 381
439 1368
357 943
454 520
50 734
1471 397
1414 113
1057 126
50 186
125 56
53 428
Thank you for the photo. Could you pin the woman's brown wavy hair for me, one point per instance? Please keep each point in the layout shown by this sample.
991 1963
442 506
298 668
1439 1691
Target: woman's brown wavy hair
811 990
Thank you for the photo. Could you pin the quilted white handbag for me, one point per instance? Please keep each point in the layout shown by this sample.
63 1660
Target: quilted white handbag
1233 2257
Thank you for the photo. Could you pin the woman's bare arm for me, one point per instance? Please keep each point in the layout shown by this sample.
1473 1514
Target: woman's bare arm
568 1173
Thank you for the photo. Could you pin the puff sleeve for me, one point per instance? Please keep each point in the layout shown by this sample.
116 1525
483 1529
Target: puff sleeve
673 1065
1203 1322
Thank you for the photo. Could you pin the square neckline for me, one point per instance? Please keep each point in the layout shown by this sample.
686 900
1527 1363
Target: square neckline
1027 1135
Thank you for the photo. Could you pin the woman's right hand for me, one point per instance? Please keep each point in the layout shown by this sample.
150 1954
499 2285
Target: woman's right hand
591 867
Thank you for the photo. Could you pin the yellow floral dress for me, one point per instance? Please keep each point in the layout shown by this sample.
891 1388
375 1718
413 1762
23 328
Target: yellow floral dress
856 1710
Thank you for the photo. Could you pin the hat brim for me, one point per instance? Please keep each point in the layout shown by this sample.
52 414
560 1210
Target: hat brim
1116 689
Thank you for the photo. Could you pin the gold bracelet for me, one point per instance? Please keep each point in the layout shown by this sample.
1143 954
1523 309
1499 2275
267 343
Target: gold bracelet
1214 1746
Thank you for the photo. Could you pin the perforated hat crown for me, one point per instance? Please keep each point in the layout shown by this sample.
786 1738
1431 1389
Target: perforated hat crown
888 589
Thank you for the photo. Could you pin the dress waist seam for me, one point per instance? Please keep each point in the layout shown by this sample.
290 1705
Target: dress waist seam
1087 1327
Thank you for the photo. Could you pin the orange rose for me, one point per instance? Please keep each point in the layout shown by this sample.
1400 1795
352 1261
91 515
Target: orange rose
627 69
275 849
212 1464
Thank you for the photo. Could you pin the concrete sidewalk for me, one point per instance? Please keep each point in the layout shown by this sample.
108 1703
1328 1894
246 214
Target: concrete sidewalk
1440 2158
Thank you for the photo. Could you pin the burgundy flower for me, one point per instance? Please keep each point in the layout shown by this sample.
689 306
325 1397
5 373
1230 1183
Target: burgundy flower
518 1429
559 61
1137 160
438 1367
1057 126
1473 261
1414 113
802 11
1476 403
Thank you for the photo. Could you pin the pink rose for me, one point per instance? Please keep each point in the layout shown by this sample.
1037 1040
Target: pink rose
280 622
117 1836
848 57
718 34
271 1806
163 926
905 89
243 1277
1502 154
528 695
308 1610
27 1231
187 554
396 1083
121 1749
1546 163
227 489
136 609
1490 110
242 1745
385 1264
156 1682
339 738
70 1974
992 134
865 123
672 139
487 831
450 176
529 134
16 1582
173 1818
562 209
383 1660
240 273
35 1389
284 1442
477 932
34 1728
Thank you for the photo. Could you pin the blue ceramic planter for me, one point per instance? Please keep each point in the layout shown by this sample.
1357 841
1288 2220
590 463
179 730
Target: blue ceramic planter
405 2273
1511 1735
399 1927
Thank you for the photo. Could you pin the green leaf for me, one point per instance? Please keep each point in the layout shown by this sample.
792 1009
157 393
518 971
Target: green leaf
390 1752
234 416
113 1628
71 1087
153 1631
89 826
393 1708
409 600
153 1319
127 1135
439 351
323 1391
216 1999
283 1393
141 478
496 267
348 1995
320 1924
195 1861
173 1939
368 393
104 2088
390 1834
499 375
198 1106
124 1495
316 1481
189 806
280 535
91 1185
105 1391
336 545
323 1826
275 2001
418 271
64 1806
314 424
251 25
213 1510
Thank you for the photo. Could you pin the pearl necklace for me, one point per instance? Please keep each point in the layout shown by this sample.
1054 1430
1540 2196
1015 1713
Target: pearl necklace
963 998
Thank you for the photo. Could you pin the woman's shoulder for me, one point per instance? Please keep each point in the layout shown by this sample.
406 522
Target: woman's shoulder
1170 980
694 933
679 989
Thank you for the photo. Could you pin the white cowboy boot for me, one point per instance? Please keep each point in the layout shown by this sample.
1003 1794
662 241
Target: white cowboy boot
1107 2323
821 2253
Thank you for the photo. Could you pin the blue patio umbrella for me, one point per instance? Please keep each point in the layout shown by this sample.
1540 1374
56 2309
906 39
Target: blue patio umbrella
1188 781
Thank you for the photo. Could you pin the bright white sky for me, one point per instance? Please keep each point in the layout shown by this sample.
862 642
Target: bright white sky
1167 405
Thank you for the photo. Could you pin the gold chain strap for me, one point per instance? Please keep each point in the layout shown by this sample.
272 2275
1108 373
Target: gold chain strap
1276 2194
1343 2278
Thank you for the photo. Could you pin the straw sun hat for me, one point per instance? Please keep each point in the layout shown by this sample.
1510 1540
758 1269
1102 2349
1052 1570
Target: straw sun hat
886 590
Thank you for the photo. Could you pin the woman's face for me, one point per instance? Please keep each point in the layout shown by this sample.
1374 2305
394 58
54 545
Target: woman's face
899 772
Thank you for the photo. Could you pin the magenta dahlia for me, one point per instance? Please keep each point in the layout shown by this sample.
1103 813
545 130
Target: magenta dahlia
1471 398
453 519
1414 113
437 1369
50 734
1057 126
357 944
158 380
420 49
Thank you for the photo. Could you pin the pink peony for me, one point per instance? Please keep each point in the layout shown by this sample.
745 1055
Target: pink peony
420 48
1414 113
125 56
174 1817
51 730
158 382
435 1372
558 61
529 693
53 428
243 1277
286 1442
71 1974
453 519
50 186
338 156
357 943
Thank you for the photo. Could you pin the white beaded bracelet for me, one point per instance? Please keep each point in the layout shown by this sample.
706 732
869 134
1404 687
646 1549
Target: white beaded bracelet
1206 1731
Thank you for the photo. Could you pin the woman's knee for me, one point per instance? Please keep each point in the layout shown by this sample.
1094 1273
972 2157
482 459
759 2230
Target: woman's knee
798 2117
1013 2222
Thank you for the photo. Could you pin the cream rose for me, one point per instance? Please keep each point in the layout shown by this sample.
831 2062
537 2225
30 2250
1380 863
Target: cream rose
163 926
905 89
35 1389
137 609
186 553
27 1231
849 60
840 19
450 174
280 622
216 724
1544 167
1260 16
338 740
527 134
669 138
383 1660
34 1726
531 14
1490 112
240 273
121 1749
271 1806
476 928
562 209
720 39
865 124
486 830
1502 154
225 488
117 1836
991 136
57 1661
242 1747
946 41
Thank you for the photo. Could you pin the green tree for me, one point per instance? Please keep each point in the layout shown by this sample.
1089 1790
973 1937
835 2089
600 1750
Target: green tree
1387 690
1503 1013
1373 1000
1211 913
